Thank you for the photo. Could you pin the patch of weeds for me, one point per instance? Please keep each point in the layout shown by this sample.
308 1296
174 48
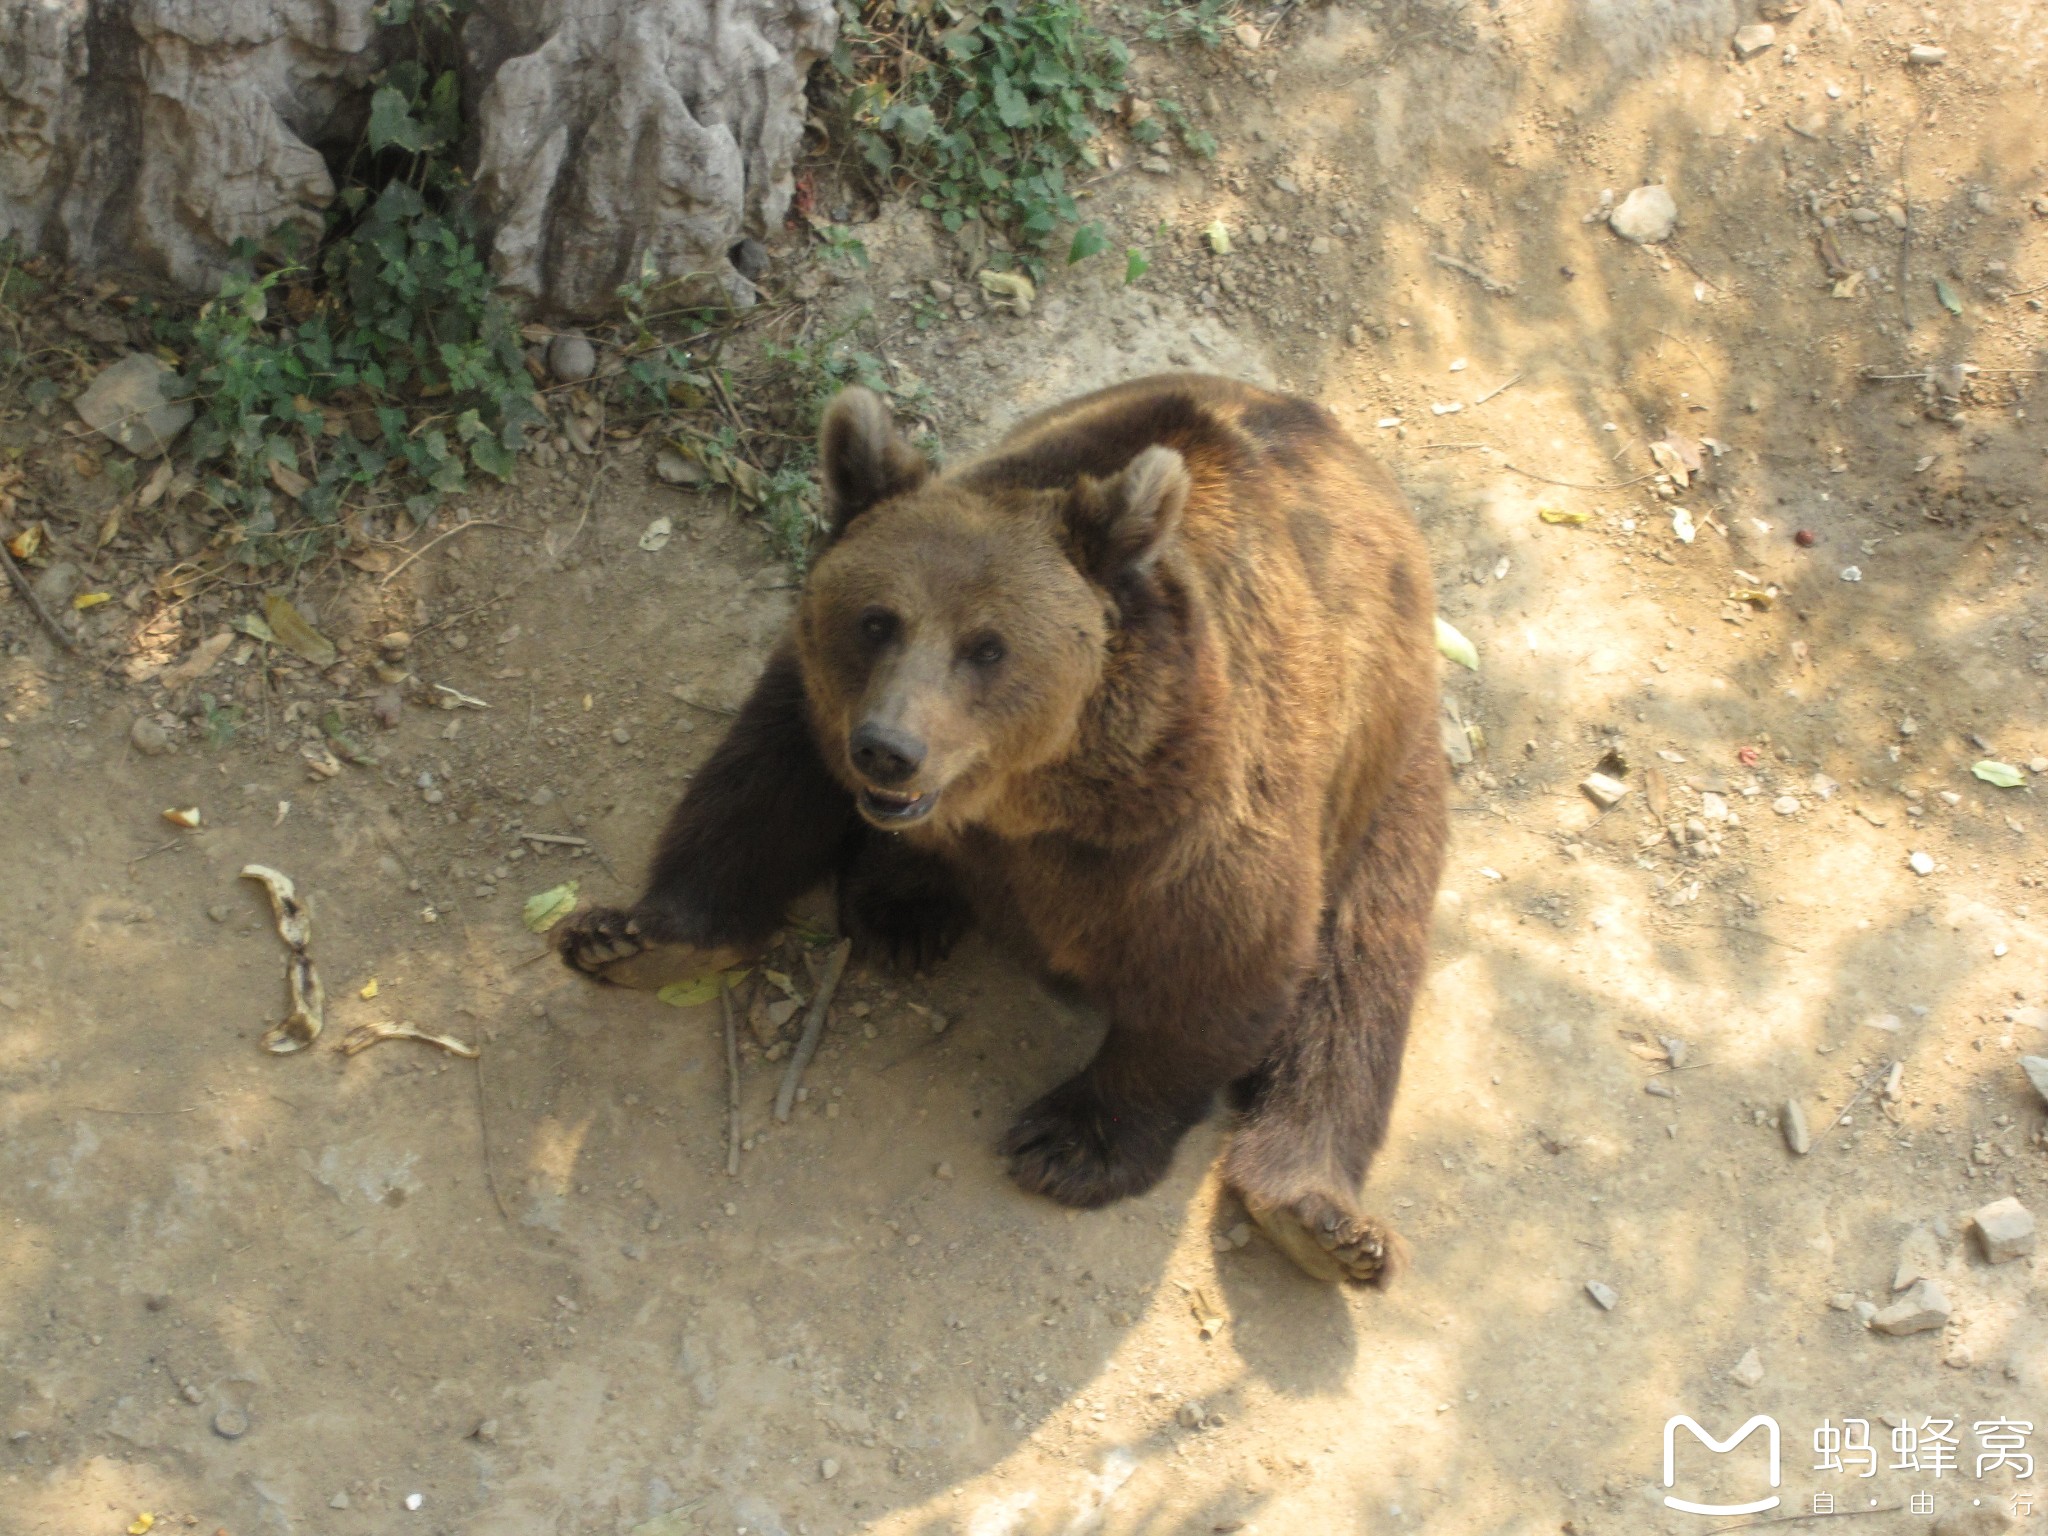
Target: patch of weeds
386 354
842 244
1169 115
219 721
1207 22
989 118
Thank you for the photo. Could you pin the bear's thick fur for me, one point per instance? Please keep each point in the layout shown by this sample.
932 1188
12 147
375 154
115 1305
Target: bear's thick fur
1149 689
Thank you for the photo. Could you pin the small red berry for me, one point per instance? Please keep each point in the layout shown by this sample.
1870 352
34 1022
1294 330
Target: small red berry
1806 538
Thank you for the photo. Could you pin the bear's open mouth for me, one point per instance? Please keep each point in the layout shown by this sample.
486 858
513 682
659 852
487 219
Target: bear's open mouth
886 809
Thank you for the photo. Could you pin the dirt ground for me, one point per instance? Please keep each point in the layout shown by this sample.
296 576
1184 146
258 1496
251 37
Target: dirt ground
257 1294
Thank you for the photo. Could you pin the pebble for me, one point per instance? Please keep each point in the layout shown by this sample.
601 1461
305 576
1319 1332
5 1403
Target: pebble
1920 863
621 735
1786 805
1919 1258
1190 1415
1926 53
486 1431
133 402
1749 1370
149 738
1753 40
1842 1301
2036 1068
1604 1294
339 1501
750 257
1797 1137
1865 1311
231 1423
1602 790
943 1171
1924 1307
2005 1230
1647 216
571 359
414 1500
828 1469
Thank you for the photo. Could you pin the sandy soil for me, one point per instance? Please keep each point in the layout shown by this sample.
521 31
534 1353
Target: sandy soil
282 1294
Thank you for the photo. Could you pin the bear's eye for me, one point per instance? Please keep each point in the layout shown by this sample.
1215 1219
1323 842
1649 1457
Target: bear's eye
986 650
878 626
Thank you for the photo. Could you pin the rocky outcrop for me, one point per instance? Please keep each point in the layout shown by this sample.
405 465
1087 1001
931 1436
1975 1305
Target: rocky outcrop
151 135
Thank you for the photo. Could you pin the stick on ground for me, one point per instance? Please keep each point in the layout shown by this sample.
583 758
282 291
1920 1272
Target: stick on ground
814 1029
732 1080
35 603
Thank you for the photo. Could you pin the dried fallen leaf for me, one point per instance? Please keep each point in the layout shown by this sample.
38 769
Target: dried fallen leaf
302 1026
1014 286
369 989
86 600
1683 525
1756 597
198 661
1209 1318
1560 515
546 908
188 818
656 535
289 480
363 1036
2004 775
700 989
291 631
374 559
1831 255
1455 646
141 1524
25 543
154 487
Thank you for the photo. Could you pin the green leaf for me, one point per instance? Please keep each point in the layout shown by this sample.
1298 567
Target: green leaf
1456 646
2004 775
392 123
1135 265
1947 295
699 990
493 457
546 908
1089 240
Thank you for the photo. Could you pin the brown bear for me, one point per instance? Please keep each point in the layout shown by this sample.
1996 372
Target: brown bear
1150 690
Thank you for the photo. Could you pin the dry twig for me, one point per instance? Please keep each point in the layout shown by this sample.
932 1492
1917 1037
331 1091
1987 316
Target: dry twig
814 1029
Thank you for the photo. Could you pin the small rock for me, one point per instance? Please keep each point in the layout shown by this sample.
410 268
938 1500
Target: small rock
1924 1307
339 1501
1156 165
1248 37
571 359
678 469
1602 790
1919 1258
943 1171
1753 40
750 259
149 738
1322 245
1920 863
1842 1301
621 735
1190 1415
1926 53
137 403
2036 1068
1749 1370
414 1500
1793 1120
1865 1311
1786 805
1604 1294
1239 1235
486 1431
828 1469
231 1423
1647 216
2005 1230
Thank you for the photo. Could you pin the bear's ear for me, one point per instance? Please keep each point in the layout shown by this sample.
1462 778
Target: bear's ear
862 459
1122 526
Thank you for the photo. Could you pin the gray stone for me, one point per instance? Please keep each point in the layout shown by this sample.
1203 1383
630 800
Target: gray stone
2005 1230
1919 1258
137 402
2036 1068
1924 1307
1926 54
750 259
231 1423
1604 1294
149 738
1646 216
1749 1370
1753 40
154 135
1190 1415
1793 1121
571 359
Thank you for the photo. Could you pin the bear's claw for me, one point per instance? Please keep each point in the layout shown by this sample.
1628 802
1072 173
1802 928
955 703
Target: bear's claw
1332 1243
593 941
1073 1148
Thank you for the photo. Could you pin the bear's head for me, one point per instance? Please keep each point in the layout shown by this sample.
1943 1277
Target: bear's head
956 628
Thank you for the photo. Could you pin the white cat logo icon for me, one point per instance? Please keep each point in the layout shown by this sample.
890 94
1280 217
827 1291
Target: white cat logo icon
1762 1420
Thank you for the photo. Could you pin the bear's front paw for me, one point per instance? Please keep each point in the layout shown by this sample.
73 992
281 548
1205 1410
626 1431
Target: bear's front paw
1073 1147
1333 1243
640 948
912 930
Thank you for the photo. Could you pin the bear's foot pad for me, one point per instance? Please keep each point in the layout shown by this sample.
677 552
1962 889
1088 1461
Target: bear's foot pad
1330 1243
613 945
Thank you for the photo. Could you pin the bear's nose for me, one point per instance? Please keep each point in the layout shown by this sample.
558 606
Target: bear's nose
883 755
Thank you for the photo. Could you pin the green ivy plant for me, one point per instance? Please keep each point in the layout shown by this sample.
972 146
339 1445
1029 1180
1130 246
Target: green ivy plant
998 115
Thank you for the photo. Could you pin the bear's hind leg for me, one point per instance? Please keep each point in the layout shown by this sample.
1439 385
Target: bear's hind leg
1315 1112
